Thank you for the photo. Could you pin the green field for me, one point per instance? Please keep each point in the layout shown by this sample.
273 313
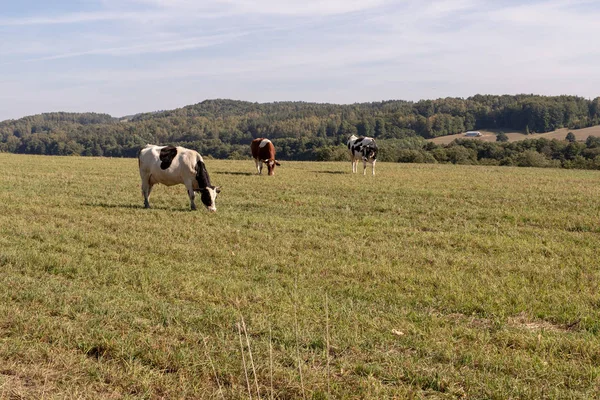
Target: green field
425 281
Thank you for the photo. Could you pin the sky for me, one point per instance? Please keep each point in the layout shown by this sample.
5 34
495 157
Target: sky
123 57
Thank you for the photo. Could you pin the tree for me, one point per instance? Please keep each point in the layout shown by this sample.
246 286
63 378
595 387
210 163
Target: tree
379 128
501 137
592 141
570 137
363 128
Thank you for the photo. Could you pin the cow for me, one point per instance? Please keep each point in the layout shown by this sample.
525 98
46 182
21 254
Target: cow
176 165
363 148
263 151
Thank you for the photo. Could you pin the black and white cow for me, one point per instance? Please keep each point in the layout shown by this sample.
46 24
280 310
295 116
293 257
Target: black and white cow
365 149
176 165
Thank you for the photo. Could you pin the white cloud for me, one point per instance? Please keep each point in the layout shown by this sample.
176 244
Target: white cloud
154 47
270 7
303 7
77 18
440 8
332 50
551 14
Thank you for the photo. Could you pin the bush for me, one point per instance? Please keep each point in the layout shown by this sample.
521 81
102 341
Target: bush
440 155
531 158
461 155
592 141
489 161
501 137
415 156
578 162
332 153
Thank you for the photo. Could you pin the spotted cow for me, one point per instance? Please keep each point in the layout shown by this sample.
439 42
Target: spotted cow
263 151
176 165
365 149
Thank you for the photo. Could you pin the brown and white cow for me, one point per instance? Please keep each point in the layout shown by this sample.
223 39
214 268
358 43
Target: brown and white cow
176 165
263 151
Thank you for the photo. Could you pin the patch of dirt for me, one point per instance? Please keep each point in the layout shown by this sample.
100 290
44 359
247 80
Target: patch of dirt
39 382
13 386
471 320
519 321
523 321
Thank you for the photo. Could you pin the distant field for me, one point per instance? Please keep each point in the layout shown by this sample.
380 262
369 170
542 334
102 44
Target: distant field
490 135
425 281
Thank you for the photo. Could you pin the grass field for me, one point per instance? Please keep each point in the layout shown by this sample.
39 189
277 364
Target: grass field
490 135
425 281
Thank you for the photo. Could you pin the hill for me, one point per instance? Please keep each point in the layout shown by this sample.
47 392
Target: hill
311 131
301 131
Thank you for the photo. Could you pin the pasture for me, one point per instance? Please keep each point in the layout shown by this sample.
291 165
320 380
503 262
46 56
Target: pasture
425 281
490 135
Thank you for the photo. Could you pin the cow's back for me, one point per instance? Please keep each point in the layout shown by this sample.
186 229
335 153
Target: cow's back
262 149
355 144
148 156
182 164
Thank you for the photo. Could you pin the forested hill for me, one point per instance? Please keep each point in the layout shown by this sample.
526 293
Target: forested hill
302 131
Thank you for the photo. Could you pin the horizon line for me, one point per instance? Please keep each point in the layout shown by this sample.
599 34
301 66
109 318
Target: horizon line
295 101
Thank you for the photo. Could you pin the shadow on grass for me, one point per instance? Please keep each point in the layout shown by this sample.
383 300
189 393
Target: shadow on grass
134 207
235 173
332 172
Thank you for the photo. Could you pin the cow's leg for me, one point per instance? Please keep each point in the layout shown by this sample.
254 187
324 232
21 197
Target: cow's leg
258 166
192 198
146 189
147 197
354 163
190 189
373 170
364 167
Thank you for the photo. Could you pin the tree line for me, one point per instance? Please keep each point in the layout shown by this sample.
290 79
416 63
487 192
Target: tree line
304 131
540 152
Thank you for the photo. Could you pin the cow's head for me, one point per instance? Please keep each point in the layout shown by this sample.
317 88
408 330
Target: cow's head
271 166
208 195
370 152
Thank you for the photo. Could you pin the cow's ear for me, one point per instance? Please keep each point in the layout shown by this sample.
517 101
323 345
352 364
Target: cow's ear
277 163
266 160
218 189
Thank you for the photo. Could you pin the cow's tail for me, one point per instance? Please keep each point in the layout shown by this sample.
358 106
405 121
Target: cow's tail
139 153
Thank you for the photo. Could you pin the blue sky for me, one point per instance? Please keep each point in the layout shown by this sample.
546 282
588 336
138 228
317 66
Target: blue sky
128 56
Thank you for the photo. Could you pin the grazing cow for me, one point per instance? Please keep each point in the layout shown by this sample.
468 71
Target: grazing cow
363 148
263 151
174 165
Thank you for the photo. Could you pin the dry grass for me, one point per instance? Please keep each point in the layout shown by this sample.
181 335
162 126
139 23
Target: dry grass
425 281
